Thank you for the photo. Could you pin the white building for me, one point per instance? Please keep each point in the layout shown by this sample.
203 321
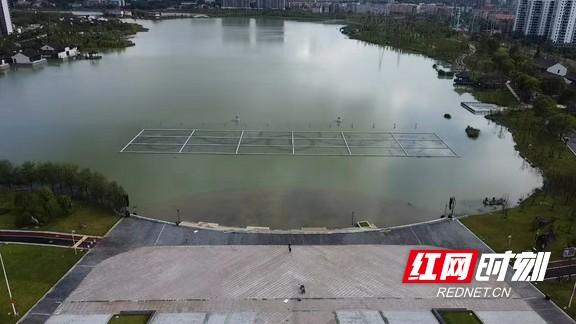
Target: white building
5 20
28 58
534 17
562 31
557 69
4 64
60 52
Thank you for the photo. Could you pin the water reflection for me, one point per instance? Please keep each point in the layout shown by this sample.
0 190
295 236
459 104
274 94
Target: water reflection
270 31
273 74
251 32
236 30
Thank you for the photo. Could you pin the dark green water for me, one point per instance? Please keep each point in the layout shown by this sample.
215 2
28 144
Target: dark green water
273 74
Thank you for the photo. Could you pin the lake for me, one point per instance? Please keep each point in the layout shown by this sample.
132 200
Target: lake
274 75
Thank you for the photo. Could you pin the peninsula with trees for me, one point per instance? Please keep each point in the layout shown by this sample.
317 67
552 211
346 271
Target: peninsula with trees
48 35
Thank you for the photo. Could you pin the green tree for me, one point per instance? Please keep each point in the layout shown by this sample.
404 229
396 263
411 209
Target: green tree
6 173
561 124
27 208
544 106
489 45
503 61
46 174
50 207
552 86
567 96
44 178
27 173
70 176
66 205
515 52
527 84
84 181
98 187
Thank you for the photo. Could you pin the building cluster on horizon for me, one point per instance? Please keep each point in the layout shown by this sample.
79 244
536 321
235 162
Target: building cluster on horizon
23 4
335 6
254 4
554 20
96 3
5 20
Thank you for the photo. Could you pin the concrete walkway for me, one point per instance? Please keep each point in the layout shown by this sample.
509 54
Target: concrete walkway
572 144
132 233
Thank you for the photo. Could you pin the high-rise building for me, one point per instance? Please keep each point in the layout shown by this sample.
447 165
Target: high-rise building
236 4
534 17
5 20
551 19
521 15
271 4
562 31
117 3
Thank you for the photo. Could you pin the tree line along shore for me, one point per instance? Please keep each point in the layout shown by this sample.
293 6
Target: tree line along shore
86 33
541 123
39 193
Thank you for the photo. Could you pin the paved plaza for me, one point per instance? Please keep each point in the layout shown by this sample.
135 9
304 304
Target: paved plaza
255 281
221 274
342 317
196 275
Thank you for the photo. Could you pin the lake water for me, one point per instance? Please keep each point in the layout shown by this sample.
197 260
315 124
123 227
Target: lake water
272 74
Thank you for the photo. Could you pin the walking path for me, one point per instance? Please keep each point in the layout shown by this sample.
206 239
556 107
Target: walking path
78 241
460 64
154 238
561 268
509 87
572 144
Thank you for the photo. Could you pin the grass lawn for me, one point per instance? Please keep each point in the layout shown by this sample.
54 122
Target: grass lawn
500 97
550 155
129 319
86 218
560 292
453 317
32 271
494 228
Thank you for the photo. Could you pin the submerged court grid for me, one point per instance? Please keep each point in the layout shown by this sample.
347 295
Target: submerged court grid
266 142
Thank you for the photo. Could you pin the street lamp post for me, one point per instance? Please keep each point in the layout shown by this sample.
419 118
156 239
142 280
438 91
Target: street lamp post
8 286
509 241
74 242
572 296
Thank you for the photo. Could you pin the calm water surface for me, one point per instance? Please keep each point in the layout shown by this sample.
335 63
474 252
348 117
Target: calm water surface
273 74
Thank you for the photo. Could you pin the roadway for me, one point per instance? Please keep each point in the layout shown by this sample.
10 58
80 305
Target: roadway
49 238
561 268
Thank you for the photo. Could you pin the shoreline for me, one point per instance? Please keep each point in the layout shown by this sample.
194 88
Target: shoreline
302 231
345 20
